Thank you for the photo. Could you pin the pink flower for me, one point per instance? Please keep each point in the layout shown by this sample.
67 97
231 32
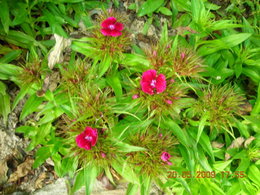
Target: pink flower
110 27
168 101
172 80
150 82
103 155
183 55
135 96
87 138
165 157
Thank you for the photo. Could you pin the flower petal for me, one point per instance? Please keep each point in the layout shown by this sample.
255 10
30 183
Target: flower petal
115 33
146 87
108 21
149 75
80 140
119 26
165 156
160 83
106 31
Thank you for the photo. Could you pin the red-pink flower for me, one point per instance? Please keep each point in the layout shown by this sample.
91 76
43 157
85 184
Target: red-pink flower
110 27
168 101
151 82
165 157
87 138
135 96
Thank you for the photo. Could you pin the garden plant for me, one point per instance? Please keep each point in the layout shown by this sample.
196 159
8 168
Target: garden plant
173 104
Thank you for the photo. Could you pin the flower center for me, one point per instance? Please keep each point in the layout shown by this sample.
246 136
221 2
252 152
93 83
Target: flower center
153 83
89 138
111 26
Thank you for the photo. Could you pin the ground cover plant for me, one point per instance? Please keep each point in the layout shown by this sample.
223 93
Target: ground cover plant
178 108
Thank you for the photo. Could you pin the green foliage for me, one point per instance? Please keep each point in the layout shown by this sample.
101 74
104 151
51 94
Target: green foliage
207 118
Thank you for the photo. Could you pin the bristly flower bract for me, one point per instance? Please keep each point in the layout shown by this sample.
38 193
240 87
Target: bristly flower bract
219 105
182 62
155 161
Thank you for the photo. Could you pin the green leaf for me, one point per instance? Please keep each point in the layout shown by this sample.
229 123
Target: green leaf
125 170
198 10
10 56
188 157
147 25
2 88
26 130
124 147
181 134
234 189
109 175
136 60
132 6
253 174
41 155
132 189
201 125
165 11
149 7
55 23
79 181
211 46
90 174
252 73
5 107
215 188
221 165
31 105
9 71
202 159
104 65
114 82
23 91
22 40
256 108
145 184
164 34
4 15
204 142
69 165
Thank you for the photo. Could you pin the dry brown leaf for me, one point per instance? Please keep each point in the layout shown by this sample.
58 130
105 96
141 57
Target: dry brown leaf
217 144
237 143
56 55
248 141
3 171
22 170
39 181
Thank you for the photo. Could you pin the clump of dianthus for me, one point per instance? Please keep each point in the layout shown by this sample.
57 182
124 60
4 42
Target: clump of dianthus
154 161
220 105
31 73
110 36
180 61
159 95
160 55
187 63
74 75
88 142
